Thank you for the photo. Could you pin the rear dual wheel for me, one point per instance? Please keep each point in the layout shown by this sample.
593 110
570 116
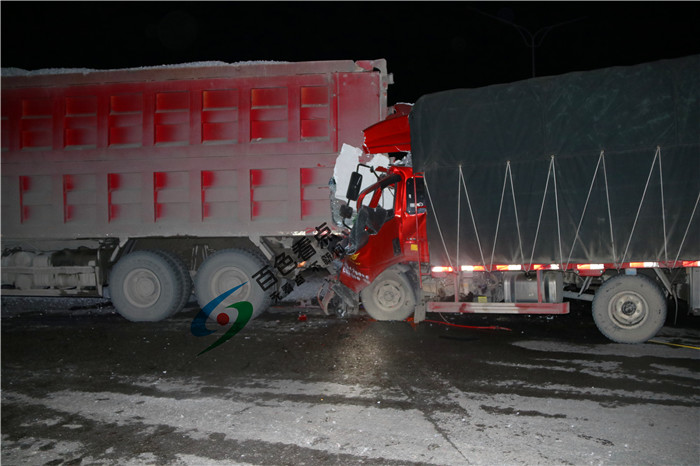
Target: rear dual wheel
228 269
149 285
629 308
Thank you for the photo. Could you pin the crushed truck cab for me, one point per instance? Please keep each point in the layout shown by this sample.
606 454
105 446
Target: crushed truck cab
518 198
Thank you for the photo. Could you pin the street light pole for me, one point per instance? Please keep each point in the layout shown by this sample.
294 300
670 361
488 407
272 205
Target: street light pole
525 33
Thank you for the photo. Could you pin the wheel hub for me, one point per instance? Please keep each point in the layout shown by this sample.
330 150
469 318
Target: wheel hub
389 295
142 288
228 278
628 309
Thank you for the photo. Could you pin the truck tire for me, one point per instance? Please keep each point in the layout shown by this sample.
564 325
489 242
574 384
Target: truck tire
145 286
226 269
629 309
391 296
184 273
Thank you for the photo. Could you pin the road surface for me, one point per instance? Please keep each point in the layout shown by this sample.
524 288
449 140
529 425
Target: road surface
80 385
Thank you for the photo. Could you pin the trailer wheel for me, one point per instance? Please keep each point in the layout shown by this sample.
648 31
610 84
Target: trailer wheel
629 309
226 269
390 296
146 286
184 273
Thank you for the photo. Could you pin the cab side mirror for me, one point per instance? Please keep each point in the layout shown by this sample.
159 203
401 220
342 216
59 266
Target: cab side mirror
354 186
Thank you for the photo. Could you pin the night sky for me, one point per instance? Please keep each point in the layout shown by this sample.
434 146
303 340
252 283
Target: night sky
429 46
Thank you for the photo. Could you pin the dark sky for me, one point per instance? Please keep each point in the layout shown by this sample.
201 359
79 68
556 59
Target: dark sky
429 46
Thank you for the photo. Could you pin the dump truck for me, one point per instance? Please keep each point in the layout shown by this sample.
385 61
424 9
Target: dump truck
142 184
519 198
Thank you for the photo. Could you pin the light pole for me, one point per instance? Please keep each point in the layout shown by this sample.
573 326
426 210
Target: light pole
531 40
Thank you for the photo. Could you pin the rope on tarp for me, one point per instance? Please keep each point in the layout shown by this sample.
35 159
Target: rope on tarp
471 213
437 222
459 213
663 205
585 207
550 173
508 176
657 155
607 199
697 200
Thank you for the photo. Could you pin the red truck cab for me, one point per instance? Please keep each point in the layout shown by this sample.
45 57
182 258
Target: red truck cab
385 246
382 238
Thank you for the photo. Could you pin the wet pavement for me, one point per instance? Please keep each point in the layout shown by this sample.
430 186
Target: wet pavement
80 385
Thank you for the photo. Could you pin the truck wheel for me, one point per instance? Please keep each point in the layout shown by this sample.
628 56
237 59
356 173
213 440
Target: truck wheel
226 269
629 309
389 297
145 286
184 273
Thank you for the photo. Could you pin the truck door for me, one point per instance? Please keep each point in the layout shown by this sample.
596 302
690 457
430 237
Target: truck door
413 226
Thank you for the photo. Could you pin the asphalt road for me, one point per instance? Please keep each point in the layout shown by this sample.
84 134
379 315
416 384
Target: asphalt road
80 385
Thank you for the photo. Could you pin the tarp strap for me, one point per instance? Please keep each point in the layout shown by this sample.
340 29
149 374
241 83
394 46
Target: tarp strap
556 205
663 205
657 155
550 173
508 176
459 212
688 227
585 206
471 213
607 199
437 222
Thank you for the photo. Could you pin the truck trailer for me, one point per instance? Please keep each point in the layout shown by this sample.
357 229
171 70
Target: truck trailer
142 184
518 198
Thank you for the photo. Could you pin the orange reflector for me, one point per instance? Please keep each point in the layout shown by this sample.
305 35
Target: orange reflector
590 266
644 265
441 269
691 263
508 267
473 268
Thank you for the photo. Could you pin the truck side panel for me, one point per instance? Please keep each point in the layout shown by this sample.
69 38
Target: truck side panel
591 167
142 154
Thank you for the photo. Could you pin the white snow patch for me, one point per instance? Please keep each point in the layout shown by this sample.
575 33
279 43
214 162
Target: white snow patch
186 460
386 433
281 387
635 351
8 72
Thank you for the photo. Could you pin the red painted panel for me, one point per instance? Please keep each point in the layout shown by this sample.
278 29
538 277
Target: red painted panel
5 128
219 116
317 95
37 107
268 97
126 103
172 133
220 99
275 130
169 101
126 129
220 132
172 118
315 113
314 129
81 137
269 114
86 105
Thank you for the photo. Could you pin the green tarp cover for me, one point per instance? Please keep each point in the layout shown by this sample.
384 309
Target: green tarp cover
645 119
